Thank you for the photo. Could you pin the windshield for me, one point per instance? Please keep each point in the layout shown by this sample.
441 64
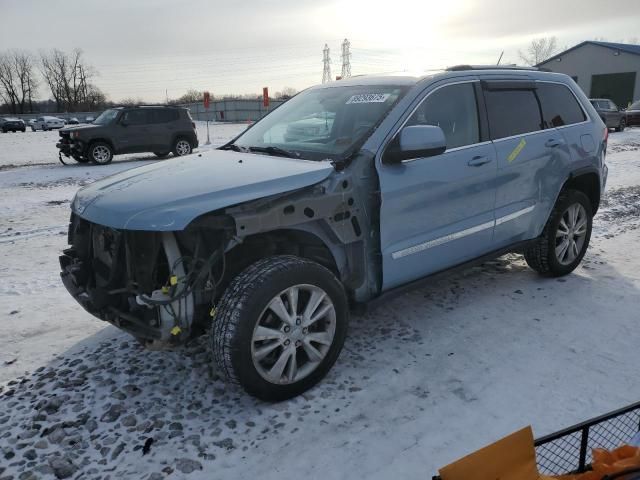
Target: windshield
320 124
106 117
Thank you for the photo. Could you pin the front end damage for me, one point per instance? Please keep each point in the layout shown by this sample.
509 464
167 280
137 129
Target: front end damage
162 286
157 286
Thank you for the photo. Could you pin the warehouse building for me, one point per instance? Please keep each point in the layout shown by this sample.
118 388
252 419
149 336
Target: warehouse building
602 69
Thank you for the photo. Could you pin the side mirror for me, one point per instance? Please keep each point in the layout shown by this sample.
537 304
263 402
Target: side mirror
416 141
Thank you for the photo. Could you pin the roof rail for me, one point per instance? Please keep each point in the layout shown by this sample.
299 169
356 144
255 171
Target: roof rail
147 105
459 68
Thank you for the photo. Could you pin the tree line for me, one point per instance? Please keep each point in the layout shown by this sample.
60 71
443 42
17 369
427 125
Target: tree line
66 75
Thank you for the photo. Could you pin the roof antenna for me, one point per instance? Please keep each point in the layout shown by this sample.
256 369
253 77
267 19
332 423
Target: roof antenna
500 58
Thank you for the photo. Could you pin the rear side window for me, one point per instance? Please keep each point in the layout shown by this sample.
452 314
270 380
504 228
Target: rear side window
165 115
559 106
512 112
454 110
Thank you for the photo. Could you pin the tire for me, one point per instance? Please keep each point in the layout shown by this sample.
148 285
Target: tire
181 147
161 154
100 153
245 305
33 129
543 255
622 126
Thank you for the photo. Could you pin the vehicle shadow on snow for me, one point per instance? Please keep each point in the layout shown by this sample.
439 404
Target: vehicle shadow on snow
107 402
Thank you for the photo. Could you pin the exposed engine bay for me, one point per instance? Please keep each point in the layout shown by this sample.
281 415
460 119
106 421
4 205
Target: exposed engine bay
158 286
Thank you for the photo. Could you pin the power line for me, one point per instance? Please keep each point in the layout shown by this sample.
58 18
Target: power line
326 61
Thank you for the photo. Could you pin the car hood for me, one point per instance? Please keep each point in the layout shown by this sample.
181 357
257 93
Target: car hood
169 194
77 128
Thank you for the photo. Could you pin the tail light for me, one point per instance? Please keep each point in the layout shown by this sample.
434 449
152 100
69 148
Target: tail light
605 136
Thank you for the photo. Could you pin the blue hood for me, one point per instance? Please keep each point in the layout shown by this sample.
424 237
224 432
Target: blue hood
169 194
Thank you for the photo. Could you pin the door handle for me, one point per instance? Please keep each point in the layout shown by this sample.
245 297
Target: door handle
478 161
553 143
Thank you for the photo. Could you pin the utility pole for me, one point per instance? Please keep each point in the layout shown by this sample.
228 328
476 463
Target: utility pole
346 59
326 61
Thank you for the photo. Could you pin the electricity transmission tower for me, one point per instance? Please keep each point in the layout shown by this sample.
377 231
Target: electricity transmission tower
346 59
326 61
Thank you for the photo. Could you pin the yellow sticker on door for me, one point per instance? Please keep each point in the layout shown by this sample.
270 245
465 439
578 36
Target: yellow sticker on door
516 151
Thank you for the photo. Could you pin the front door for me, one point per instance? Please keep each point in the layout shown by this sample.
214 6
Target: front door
134 131
437 212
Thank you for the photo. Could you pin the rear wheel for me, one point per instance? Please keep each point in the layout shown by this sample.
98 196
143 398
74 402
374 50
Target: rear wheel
279 327
565 238
100 153
622 126
181 147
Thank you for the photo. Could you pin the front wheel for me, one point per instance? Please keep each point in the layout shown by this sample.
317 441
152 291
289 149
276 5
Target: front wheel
100 153
181 147
565 238
279 327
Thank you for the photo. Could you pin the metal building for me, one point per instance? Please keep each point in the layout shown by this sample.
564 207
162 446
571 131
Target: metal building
602 69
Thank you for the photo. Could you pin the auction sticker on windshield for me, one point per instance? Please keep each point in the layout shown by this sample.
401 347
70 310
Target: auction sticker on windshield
369 98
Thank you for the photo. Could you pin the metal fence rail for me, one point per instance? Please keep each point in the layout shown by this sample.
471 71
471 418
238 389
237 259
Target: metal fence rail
569 450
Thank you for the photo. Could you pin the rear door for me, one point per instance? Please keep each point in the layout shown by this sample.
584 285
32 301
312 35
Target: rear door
165 125
437 211
531 159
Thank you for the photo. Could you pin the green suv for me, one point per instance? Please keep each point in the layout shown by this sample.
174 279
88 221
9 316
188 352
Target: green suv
156 129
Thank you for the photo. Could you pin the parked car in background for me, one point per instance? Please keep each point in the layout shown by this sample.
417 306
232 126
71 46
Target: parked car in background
73 121
89 119
12 124
160 130
309 128
633 114
611 115
266 243
47 123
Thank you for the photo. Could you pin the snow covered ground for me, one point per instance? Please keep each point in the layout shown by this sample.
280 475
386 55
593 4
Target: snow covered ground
423 379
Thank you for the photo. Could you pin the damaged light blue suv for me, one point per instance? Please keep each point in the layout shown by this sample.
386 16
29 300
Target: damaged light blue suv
267 242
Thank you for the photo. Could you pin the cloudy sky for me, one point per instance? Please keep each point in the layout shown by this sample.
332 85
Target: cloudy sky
144 48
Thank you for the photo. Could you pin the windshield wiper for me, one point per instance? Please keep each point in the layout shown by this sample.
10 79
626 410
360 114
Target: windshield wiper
271 150
234 147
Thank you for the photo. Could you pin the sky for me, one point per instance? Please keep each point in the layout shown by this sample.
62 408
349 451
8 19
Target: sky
151 49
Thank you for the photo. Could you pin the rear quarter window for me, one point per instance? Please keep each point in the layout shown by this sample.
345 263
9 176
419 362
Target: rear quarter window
165 115
512 112
559 106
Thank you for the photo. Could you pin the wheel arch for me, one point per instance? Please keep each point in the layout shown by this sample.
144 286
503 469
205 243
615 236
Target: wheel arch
305 243
587 181
91 142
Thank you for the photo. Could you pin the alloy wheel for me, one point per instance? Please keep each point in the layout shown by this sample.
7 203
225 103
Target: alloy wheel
100 154
571 234
293 334
183 147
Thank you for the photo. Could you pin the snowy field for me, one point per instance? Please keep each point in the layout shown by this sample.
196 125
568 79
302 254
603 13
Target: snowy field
423 379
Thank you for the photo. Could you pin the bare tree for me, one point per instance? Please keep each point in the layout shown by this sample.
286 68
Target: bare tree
539 50
69 79
17 80
286 93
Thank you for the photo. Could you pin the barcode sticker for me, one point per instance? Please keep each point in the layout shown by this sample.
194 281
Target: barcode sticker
369 98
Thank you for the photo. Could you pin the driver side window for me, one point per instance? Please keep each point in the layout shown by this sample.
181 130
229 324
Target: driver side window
453 108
